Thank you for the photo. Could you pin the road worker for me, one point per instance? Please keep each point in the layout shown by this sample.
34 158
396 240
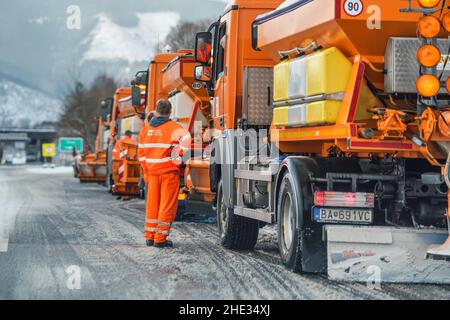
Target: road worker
120 152
162 143
204 51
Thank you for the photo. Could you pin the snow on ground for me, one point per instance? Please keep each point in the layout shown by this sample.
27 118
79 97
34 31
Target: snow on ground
57 222
49 170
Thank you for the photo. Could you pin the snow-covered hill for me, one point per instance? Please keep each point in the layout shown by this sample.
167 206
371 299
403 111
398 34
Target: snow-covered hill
24 107
120 51
110 41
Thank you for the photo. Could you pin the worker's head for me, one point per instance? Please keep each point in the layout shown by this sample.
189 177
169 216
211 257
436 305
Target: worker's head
128 133
163 108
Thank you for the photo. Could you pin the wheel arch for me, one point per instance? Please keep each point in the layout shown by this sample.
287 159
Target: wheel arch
215 169
294 165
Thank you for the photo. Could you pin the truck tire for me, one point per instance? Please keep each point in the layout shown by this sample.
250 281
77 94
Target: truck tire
295 199
236 232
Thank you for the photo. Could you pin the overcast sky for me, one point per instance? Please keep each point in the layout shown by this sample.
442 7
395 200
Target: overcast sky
37 47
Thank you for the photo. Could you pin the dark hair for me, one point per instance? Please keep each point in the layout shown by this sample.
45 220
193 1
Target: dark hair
163 107
128 133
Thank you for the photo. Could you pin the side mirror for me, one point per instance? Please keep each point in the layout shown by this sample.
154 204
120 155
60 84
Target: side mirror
140 79
136 96
203 48
105 109
202 73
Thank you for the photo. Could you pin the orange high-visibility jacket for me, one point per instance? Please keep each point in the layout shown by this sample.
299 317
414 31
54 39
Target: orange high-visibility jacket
162 147
119 152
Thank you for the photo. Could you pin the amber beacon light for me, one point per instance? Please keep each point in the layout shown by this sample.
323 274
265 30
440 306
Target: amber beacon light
428 56
429 3
428 85
446 22
429 26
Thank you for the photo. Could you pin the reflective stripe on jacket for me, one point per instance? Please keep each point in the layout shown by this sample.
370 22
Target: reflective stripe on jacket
161 148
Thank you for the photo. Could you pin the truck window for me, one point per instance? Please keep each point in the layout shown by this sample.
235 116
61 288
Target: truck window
220 58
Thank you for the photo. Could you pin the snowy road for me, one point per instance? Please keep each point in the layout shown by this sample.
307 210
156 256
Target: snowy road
60 239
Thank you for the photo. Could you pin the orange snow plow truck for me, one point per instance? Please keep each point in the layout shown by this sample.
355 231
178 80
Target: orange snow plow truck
123 165
92 166
335 126
171 76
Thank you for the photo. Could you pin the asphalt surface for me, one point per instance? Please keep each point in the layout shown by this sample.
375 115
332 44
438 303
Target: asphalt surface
60 239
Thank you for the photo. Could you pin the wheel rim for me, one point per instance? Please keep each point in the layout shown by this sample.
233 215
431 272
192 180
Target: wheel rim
287 221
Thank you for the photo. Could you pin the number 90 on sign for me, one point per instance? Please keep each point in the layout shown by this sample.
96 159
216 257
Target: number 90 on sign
353 7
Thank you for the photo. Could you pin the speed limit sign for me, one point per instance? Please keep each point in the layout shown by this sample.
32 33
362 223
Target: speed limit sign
353 7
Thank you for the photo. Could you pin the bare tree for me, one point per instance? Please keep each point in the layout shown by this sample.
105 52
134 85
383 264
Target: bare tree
82 108
182 36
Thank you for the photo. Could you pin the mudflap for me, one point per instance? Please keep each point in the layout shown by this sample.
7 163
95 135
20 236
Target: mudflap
441 252
394 255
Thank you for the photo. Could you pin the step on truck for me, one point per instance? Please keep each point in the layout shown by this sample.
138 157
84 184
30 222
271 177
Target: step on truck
334 124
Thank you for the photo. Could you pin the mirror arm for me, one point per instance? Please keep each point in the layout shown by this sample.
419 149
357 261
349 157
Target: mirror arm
213 25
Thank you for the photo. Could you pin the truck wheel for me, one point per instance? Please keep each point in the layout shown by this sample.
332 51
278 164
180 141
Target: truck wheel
293 216
236 232
289 236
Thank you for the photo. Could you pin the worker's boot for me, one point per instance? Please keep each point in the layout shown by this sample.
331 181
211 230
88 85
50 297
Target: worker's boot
149 243
167 244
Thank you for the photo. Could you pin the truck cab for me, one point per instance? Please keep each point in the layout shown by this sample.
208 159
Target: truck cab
230 40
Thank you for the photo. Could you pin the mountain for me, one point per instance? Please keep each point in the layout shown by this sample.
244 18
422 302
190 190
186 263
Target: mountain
22 106
115 36
121 51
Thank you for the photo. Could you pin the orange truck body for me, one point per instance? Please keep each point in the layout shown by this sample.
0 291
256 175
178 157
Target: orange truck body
171 75
330 26
178 79
154 87
123 112
371 137
92 165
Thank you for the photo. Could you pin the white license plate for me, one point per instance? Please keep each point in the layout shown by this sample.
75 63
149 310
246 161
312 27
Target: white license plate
343 215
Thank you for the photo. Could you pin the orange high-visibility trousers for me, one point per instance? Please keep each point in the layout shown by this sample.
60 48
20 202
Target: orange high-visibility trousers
162 204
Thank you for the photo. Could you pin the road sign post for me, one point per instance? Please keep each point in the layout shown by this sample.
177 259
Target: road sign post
48 152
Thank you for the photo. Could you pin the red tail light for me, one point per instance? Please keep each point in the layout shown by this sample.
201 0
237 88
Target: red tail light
344 199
